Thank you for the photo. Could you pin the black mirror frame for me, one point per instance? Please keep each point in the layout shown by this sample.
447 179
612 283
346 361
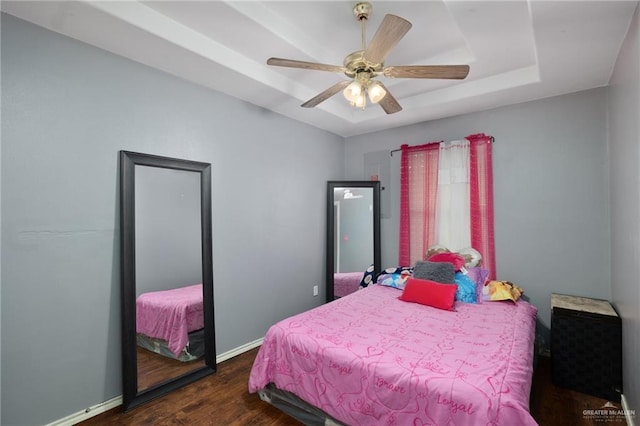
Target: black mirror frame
377 255
128 160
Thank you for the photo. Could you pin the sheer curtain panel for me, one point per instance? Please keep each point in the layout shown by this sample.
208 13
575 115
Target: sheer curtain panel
481 179
418 191
453 204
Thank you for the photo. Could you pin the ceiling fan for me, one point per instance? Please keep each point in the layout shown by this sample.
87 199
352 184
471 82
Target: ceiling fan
364 65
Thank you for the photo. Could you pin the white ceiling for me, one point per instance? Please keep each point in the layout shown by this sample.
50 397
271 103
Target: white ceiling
518 50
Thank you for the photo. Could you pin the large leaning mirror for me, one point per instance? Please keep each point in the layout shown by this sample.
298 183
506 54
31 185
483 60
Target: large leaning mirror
353 234
168 337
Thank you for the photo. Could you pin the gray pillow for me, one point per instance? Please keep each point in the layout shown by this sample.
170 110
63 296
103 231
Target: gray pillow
441 272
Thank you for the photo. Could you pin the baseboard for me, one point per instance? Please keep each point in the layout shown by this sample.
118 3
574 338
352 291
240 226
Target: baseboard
239 350
87 413
628 413
94 410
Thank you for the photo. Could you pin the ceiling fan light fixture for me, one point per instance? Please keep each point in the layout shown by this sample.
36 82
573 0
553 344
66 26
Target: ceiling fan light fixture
376 92
361 101
353 91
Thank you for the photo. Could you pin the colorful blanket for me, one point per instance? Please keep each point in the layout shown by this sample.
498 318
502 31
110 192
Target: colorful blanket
370 359
170 315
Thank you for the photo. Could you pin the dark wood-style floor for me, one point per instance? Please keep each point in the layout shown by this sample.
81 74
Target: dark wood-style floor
223 399
154 368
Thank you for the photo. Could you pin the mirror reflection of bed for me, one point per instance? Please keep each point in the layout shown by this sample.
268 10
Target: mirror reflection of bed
175 320
169 307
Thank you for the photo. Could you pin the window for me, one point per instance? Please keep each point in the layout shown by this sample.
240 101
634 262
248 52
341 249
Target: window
447 198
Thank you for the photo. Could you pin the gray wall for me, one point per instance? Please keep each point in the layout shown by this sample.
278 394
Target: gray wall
550 191
67 109
624 141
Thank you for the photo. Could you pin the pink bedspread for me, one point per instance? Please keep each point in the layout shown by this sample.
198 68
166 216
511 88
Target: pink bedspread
170 315
370 359
346 283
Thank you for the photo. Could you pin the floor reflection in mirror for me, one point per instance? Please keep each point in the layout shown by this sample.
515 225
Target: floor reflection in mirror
154 369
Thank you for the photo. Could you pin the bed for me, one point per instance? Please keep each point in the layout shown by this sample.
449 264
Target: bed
371 359
171 322
346 283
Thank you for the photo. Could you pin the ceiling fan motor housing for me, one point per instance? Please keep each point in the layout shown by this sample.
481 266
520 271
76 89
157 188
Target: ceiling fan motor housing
355 63
362 10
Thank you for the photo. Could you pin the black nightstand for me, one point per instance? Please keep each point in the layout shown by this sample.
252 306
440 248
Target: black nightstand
586 346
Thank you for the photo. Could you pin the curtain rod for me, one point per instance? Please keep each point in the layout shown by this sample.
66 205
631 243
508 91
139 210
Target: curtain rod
491 138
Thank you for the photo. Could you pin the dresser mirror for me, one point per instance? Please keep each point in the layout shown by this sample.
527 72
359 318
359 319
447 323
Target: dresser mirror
353 234
168 337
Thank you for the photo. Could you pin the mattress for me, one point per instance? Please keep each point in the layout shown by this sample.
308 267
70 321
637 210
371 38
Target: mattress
170 315
193 350
371 359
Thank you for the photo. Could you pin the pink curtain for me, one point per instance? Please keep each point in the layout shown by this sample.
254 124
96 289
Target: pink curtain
418 190
481 182
418 194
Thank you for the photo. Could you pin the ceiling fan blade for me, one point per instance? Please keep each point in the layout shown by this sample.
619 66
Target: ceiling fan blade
279 62
458 72
389 33
326 94
389 104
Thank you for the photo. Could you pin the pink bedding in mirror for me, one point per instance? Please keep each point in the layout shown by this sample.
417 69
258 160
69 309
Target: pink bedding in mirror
170 315
346 283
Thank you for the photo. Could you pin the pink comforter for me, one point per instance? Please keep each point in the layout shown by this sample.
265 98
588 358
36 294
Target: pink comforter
346 283
370 359
170 315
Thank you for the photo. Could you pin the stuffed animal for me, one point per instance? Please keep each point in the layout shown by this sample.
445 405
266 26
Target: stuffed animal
472 257
435 249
